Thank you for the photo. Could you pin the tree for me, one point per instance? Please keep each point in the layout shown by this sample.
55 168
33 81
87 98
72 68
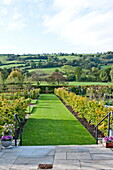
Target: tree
111 74
0 63
78 72
5 72
35 77
68 70
39 64
56 77
103 76
15 77
95 74
1 78
33 65
56 70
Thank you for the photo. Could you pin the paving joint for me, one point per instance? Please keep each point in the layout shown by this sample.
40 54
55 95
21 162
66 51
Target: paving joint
90 157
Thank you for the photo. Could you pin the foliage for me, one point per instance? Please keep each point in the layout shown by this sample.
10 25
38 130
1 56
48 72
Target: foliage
8 128
51 123
15 74
91 65
111 74
56 77
33 93
92 110
68 70
8 108
78 72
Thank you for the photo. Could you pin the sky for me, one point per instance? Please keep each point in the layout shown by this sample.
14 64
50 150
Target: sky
53 26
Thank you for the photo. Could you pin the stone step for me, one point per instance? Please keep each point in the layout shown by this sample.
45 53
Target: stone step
82 157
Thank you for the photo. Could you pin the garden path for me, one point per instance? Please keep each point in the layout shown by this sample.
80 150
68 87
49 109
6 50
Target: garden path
82 157
51 123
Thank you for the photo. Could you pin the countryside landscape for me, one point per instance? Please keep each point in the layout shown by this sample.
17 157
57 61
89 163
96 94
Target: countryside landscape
82 81
56 84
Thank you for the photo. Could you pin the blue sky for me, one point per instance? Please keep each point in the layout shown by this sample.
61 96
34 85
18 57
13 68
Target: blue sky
53 26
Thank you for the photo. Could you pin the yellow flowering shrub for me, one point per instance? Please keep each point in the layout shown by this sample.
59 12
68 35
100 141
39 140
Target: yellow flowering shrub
92 110
9 107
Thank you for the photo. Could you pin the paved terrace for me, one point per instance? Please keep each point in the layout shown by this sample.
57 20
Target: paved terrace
83 157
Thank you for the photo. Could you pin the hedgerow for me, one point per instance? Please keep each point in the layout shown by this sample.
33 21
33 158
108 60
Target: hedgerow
91 110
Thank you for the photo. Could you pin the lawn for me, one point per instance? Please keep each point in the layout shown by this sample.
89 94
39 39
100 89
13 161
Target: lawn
31 106
51 123
11 65
46 70
74 83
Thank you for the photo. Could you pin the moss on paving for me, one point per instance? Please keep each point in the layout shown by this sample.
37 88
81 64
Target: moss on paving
51 123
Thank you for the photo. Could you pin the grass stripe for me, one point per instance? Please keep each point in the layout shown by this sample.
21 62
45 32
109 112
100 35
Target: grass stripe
51 123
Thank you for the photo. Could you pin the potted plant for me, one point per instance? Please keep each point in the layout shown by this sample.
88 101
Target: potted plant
8 129
108 141
6 141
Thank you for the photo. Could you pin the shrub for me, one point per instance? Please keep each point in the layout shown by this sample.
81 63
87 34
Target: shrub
92 110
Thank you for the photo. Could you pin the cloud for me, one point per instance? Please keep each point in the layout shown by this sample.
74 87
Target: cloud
7 2
12 17
86 23
16 21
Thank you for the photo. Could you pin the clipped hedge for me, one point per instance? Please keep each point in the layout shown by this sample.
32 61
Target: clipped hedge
9 107
91 110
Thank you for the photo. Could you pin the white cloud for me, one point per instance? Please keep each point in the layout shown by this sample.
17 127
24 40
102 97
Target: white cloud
16 21
83 23
7 2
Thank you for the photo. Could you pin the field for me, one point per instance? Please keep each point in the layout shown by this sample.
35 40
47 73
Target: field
3 58
89 83
46 70
69 58
51 123
12 65
74 83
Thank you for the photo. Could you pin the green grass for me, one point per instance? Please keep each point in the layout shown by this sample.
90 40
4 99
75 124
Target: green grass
69 58
106 66
11 65
88 83
74 83
46 70
51 123
30 107
3 58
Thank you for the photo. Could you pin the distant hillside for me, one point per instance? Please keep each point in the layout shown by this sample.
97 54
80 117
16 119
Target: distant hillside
49 62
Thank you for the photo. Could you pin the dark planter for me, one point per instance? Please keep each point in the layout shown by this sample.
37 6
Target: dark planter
109 145
6 143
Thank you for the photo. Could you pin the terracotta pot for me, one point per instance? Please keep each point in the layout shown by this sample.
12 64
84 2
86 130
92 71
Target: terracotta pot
109 145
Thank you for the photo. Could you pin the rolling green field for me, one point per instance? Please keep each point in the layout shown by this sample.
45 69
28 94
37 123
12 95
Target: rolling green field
3 58
46 70
69 58
89 83
11 65
51 123
74 83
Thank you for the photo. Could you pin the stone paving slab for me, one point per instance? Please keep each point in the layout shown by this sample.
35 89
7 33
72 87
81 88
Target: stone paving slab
97 164
83 157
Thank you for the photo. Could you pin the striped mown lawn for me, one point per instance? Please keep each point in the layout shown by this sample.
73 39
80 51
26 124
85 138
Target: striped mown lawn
51 123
